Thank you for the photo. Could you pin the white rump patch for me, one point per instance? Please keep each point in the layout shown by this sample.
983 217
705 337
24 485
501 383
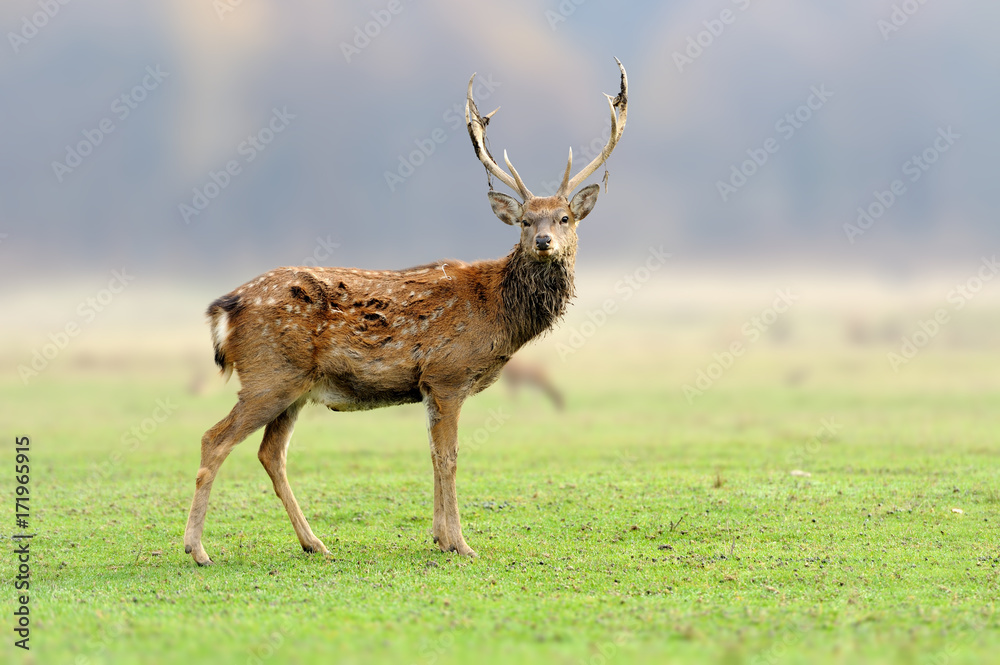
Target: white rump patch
220 330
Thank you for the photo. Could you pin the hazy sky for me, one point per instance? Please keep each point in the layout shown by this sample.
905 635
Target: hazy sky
756 131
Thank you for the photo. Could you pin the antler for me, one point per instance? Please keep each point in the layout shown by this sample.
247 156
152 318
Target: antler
477 132
617 127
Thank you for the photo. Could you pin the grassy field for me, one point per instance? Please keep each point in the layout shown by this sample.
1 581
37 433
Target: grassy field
632 527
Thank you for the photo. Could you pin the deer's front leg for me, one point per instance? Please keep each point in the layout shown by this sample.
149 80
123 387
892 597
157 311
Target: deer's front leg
442 425
438 527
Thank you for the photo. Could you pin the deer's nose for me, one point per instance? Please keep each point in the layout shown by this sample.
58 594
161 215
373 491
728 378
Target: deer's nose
543 241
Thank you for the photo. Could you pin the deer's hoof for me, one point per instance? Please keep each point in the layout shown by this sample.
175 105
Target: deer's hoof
315 548
461 548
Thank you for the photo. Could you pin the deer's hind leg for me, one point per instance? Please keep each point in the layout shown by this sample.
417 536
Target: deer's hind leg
253 411
272 454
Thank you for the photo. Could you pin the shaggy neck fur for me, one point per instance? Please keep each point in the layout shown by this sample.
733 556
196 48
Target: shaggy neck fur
534 294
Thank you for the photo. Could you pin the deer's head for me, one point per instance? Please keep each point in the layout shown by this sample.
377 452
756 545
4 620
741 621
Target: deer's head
548 223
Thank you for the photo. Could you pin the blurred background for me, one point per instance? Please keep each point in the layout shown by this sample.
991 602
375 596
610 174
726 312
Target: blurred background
155 155
789 285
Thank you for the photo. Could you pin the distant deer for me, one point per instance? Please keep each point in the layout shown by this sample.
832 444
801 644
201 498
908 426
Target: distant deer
519 373
363 339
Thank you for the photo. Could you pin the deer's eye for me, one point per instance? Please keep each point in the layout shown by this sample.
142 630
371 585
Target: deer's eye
565 220
525 223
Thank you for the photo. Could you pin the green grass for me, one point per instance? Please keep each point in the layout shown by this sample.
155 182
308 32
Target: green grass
631 528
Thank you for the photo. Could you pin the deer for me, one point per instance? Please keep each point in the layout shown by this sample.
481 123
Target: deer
517 373
352 339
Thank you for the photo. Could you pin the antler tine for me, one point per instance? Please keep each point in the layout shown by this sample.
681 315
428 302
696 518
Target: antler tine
620 102
477 132
525 193
565 180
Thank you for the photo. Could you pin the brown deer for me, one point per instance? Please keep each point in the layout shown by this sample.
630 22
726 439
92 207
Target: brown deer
361 339
517 373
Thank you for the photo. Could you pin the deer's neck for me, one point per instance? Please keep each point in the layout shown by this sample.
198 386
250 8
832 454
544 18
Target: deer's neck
534 294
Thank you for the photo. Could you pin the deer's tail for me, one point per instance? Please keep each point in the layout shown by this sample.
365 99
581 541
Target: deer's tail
219 314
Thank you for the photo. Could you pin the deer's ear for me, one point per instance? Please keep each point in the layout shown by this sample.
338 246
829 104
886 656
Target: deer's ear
505 207
584 201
